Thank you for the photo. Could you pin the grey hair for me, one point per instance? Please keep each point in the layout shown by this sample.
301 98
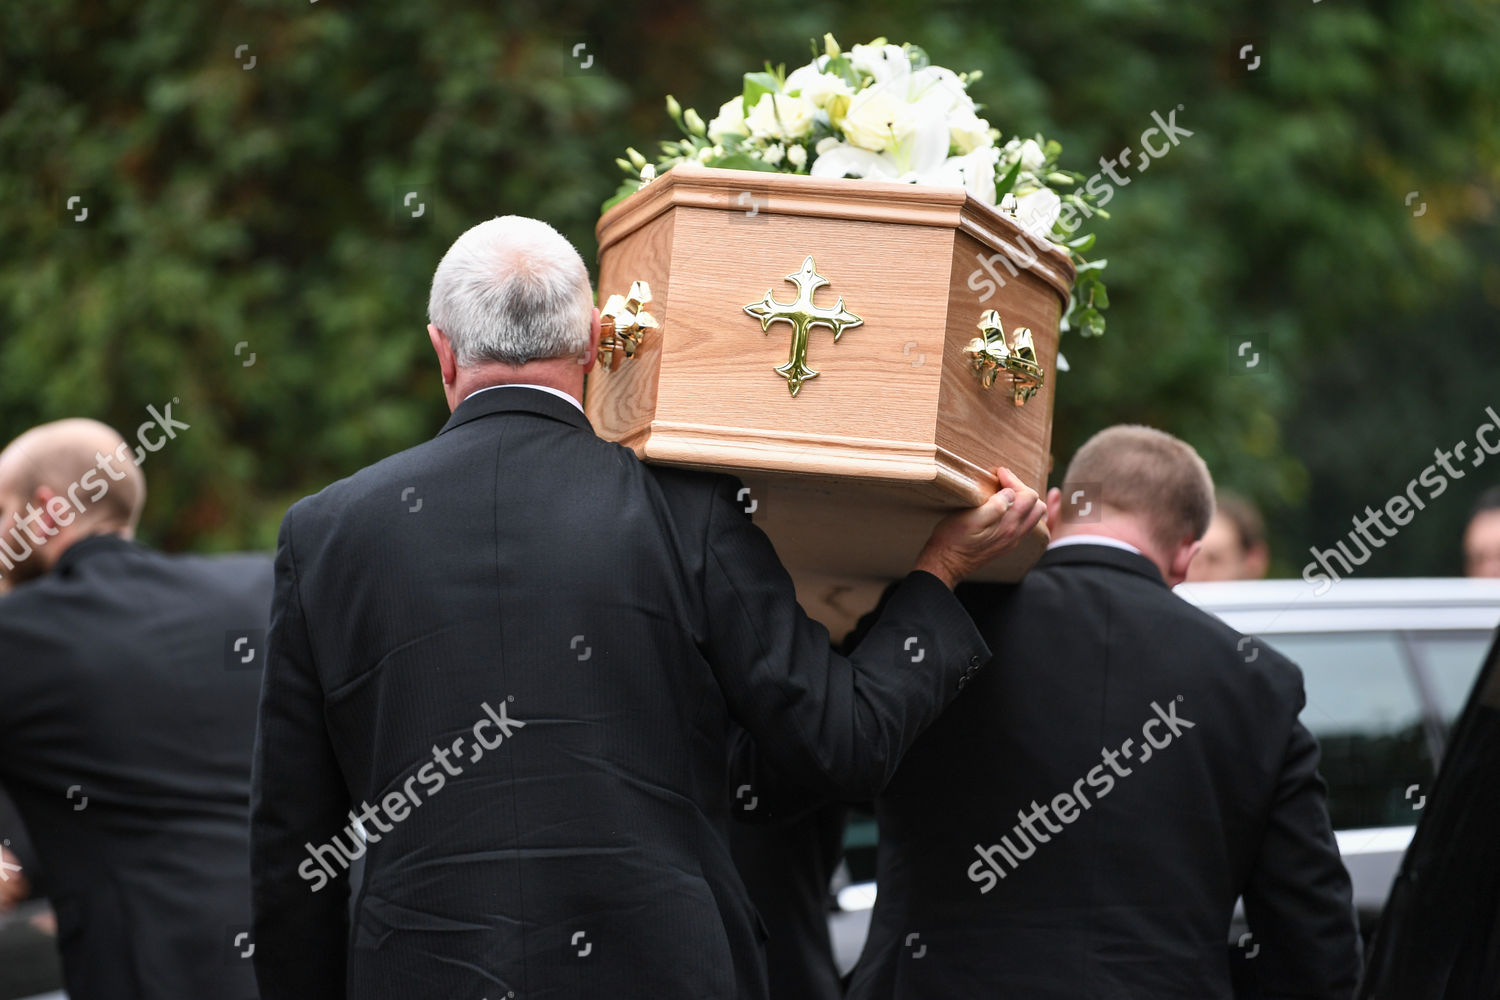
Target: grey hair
512 290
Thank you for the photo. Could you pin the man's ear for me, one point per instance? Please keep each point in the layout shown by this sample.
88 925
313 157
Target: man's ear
1054 511
591 351
50 523
1181 558
447 360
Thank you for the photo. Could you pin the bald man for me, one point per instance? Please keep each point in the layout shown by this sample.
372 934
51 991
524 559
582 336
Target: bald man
128 687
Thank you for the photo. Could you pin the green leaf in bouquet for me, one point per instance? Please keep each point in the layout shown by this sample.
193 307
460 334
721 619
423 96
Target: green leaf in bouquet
1005 184
757 85
1083 244
1092 322
1092 265
842 68
741 161
626 189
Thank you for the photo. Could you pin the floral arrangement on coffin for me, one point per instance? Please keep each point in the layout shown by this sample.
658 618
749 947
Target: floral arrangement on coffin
883 112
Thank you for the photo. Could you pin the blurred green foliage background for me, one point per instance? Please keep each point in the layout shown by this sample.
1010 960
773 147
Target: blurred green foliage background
260 208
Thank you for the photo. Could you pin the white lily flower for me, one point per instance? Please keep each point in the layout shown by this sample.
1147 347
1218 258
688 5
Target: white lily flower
1037 212
814 85
973 171
915 159
846 160
730 121
969 132
879 118
884 63
1031 155
780 116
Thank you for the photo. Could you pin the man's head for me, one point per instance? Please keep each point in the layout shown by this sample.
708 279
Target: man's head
1235 546
1151 491
511 302
61 482
1482 538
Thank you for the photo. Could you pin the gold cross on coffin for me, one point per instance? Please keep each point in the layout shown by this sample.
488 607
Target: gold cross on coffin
803 316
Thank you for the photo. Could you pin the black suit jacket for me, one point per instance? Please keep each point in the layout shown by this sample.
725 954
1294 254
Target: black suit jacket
787 866
572 632
127 719
1128 892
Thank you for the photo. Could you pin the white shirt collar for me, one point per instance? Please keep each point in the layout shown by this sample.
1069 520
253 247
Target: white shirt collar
527 385
1113 543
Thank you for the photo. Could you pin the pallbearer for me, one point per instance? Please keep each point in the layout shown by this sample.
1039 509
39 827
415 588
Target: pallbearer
621 615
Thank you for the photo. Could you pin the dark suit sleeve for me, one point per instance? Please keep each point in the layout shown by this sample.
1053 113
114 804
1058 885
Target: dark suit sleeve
1299 900
298 797
835 724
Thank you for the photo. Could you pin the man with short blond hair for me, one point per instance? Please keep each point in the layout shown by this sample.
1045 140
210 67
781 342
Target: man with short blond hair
1082 821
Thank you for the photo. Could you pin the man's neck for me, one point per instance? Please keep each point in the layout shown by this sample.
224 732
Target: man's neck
1117 529
563 374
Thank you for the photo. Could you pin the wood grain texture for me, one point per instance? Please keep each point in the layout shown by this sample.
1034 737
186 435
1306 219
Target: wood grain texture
850 475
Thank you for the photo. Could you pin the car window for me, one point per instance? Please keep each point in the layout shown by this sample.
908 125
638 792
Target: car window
1452 661
1366 713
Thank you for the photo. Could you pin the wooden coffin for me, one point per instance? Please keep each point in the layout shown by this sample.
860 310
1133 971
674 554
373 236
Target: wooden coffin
847 469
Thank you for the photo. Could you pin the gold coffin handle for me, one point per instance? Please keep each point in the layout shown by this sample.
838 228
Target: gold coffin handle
623 325
992 352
